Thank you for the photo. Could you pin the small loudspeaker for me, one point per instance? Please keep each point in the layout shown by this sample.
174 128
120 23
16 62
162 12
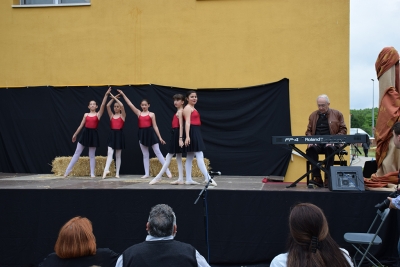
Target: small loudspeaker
370 167
345 178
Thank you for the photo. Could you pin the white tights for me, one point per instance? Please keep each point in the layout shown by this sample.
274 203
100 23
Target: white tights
117 160
75 157
146 158
168 161
200 163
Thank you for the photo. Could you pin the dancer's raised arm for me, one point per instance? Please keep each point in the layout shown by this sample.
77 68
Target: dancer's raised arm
103 104
134 109
110 114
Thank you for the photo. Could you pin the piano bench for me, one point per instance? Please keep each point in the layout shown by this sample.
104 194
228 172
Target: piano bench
335 162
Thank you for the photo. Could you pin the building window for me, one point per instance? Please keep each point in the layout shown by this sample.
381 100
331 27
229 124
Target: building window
36 2
53 2
73 1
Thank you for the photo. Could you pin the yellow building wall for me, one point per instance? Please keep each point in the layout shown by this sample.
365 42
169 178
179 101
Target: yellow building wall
185 43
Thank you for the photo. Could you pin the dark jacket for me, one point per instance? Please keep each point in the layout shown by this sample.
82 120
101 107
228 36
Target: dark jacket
104 257
367 144
160 253
335 119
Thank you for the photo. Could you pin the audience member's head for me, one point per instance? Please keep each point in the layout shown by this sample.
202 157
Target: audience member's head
310 243
162 221
76 239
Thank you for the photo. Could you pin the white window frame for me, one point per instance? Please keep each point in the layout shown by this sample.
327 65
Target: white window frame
55 3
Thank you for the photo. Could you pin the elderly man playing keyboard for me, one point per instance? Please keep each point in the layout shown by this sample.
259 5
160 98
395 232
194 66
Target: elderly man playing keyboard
324 121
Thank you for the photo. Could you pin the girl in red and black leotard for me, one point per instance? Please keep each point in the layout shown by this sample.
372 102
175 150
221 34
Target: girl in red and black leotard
89 137
194 140
147 134
116 139
176 142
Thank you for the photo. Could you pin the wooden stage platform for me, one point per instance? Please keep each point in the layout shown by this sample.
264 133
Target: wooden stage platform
247 218
50 181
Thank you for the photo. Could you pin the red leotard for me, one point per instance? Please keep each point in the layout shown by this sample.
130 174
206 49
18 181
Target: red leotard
175 122
91 122
195 118
144 121
117 124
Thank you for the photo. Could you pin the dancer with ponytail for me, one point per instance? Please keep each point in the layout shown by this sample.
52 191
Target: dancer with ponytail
175 143
116 139
194 140
89 137
310 243
148 133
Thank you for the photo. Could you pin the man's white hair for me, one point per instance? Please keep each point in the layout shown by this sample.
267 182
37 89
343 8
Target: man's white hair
324 97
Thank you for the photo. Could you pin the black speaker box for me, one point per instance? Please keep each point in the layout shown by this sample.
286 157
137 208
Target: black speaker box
370 167
346 178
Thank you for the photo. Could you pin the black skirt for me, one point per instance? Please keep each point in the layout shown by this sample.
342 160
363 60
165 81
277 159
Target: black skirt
196 140
116 139
89 138
147 136
173 144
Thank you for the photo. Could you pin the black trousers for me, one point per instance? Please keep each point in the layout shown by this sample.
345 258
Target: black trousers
314 151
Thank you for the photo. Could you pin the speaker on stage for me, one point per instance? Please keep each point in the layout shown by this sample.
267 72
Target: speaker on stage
346 178
370 167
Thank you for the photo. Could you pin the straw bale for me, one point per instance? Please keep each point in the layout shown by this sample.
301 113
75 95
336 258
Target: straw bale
155 167
82 166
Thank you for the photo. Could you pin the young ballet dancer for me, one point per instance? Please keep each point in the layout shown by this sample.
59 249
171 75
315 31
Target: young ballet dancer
89 137
147 133
116 139
193 140
175 143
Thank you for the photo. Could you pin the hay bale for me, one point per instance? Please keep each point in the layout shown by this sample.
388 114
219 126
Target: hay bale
155 167
82 166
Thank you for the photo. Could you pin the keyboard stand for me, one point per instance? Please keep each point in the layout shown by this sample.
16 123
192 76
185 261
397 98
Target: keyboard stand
314 163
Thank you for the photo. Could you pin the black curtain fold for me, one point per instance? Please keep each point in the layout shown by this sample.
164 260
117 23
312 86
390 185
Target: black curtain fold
37 124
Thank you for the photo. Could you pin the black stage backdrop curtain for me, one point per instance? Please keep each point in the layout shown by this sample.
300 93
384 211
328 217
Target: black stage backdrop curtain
245 227
37 124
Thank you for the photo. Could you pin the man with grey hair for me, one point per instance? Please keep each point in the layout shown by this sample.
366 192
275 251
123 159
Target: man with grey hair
324 121
160 248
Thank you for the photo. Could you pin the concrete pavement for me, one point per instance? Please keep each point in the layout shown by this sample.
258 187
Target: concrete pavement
359 160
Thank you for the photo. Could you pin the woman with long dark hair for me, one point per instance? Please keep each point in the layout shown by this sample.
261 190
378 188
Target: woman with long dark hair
310 244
